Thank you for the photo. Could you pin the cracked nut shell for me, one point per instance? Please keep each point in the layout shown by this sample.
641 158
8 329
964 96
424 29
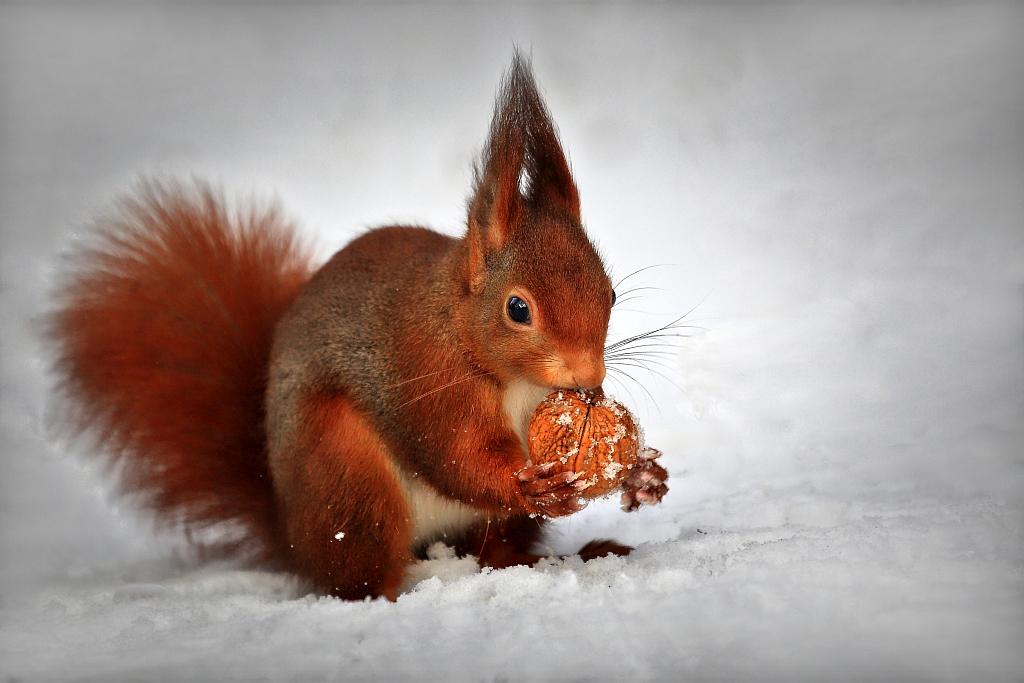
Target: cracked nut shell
588 433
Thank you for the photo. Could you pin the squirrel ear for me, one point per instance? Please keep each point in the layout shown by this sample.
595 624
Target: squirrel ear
521 167
545 176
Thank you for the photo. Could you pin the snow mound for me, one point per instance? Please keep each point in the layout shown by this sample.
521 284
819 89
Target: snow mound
926 591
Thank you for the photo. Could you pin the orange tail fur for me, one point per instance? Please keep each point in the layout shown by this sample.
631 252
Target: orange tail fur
163 339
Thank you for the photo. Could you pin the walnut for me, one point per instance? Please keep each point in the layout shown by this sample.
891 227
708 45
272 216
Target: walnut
588 433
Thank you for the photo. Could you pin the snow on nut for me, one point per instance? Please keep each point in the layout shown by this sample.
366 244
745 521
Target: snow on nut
588 433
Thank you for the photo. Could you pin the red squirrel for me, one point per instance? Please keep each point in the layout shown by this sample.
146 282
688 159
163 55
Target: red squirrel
338 422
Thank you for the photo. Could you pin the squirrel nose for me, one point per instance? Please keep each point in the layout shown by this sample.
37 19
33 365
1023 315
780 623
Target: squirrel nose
587 372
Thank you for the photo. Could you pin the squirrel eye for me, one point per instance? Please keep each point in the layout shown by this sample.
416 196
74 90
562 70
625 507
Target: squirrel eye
613 297
518 310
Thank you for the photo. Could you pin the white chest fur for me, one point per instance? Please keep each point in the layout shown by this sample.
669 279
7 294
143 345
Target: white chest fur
435 517
521 399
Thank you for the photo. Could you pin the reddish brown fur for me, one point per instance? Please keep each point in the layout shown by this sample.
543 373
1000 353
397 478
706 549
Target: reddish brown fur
345 516
163 338
411 326
387 374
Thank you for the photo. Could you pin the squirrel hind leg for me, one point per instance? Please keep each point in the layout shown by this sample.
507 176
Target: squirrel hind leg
508 542
348 531
504 542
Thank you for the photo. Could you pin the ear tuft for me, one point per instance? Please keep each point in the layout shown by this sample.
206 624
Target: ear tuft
522 167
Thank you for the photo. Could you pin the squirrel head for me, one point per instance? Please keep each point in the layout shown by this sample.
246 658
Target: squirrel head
536 295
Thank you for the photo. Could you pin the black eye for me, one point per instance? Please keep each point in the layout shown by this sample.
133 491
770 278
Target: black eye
613 297
518 310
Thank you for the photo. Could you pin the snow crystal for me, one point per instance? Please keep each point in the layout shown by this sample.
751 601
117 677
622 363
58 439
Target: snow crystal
611 470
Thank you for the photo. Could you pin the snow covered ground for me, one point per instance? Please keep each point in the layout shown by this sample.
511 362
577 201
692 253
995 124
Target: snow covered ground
836 192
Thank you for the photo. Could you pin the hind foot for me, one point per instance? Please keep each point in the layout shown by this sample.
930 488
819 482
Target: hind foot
603 548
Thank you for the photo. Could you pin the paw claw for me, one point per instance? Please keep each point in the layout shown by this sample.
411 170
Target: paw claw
551 495
645 485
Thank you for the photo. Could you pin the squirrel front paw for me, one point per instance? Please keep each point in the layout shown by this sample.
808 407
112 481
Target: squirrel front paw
645 484
551 495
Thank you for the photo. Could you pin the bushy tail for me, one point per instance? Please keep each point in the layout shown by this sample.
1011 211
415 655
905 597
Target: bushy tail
163 337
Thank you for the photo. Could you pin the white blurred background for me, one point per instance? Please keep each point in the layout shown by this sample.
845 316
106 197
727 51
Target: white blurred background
835 192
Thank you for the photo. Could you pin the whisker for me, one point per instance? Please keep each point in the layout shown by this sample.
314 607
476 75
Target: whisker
641 363
652 371
633 290
652 349
643 335
630 310
672 325
465 378
413 379
660 333
625 343
541 364
626 374
631 359
657 348
623 386
640 270
637 364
